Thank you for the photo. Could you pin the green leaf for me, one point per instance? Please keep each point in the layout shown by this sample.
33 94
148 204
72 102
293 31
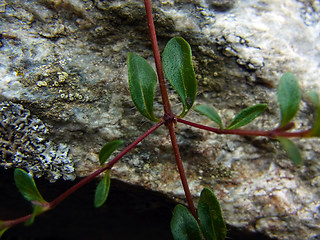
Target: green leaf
2 228
28 189
246 116
291 150
210 113
37 210
178 69
314 97
2 231
27 186
142 84
183 225
102 190
210 216
289 97
315 131
108 149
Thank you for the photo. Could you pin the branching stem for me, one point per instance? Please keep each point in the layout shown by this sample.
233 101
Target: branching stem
67 193
10 223
170 120
272 133
168 115
108 165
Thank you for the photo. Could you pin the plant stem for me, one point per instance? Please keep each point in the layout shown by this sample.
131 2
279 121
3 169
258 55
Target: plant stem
67 193
272 133
10 223
169 117
157 59
108 165
181 170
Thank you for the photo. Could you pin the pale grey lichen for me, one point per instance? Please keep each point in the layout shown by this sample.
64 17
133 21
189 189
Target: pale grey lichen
24 144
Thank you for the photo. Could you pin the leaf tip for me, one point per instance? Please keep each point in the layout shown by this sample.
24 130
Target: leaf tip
292 150
108 149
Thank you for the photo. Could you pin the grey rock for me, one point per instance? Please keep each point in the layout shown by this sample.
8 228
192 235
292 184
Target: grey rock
24 145
65 62
222 5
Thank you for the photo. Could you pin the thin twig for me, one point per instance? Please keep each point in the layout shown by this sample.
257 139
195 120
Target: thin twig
168 115
157 58
272 133
67 193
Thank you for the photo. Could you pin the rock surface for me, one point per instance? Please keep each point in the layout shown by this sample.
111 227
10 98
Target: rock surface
65 63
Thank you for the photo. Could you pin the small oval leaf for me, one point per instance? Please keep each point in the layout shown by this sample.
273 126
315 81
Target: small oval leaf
178 69
291 150
108 149
142 84
27 186
246 116
102 190
183 225
315 131
289 97
210 216
210 113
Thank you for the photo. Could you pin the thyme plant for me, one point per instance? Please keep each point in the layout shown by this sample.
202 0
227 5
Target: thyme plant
175 65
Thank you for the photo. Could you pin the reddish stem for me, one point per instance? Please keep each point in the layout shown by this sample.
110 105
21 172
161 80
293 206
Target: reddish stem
181 170
168 115
10 223
109 165
157 58
67 193
272 133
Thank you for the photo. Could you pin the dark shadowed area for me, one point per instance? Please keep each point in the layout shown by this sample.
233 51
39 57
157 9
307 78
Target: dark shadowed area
130 212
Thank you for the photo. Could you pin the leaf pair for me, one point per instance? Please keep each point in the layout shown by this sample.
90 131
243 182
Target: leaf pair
185 227
244 117
102 190
27 187
290 148
289 98
178 69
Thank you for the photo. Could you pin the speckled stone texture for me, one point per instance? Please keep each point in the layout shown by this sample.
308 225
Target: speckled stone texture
65 63
24 145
